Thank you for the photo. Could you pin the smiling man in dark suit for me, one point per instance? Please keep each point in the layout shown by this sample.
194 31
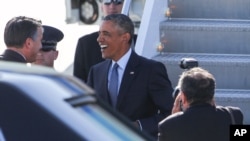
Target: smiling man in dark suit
144 90
88 51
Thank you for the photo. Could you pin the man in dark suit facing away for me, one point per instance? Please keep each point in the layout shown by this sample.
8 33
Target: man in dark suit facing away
201 119
143 89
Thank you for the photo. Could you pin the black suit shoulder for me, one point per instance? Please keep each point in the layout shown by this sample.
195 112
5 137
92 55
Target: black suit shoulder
92 36
87 54
236 112
88 46
218 112
143 61
10 55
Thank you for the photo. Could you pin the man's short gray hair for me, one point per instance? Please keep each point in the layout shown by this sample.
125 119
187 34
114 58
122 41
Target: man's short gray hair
123 21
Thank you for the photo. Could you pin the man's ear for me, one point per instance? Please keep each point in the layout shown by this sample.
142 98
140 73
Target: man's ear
183 97
28 43
126 37
27 46
56 54
213 102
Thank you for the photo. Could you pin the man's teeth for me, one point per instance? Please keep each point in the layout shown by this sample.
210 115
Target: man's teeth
103 46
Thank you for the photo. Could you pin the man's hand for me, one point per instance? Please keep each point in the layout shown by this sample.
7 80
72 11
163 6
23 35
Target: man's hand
177 104
136 124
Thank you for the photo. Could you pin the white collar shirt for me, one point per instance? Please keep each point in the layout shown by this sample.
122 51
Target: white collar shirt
122 62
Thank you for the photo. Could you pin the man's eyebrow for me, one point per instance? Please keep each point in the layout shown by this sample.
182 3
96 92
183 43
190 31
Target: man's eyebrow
104 32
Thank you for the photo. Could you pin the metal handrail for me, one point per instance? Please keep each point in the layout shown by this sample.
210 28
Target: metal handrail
126 6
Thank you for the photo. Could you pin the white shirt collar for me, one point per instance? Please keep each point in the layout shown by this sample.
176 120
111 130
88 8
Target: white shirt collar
122 62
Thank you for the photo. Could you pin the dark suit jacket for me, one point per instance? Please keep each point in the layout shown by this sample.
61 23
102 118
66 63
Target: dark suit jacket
87 54
10 55
145 89
199 123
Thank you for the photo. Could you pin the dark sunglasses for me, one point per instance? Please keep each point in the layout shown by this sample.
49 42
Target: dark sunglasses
115 2
47 49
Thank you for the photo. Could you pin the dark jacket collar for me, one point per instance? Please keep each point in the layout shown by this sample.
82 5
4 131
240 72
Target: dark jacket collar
10 55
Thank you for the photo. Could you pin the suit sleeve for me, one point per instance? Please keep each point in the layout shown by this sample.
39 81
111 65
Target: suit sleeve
90 78
78 68
237 113
160 90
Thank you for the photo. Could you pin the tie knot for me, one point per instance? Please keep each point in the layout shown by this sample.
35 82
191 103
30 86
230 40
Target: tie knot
115 66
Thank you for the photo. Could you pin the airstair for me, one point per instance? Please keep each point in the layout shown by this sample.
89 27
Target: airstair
217 34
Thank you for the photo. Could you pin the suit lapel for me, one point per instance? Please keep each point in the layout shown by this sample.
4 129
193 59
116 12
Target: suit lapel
129 74
104 80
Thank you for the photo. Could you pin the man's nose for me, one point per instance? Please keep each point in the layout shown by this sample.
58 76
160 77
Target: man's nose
99 38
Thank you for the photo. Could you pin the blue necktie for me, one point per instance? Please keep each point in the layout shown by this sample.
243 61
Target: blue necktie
113 84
